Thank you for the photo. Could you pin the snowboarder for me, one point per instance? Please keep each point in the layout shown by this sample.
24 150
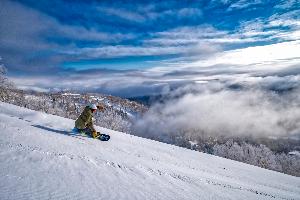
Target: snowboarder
84 123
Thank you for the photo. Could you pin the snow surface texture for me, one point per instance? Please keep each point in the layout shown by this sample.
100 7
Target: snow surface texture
41 159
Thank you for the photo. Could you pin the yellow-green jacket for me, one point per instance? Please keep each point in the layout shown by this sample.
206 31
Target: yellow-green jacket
85 120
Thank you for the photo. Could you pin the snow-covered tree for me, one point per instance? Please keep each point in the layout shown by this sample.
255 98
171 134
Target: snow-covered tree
290 163
4 82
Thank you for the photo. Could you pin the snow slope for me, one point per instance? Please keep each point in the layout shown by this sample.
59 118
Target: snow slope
41 159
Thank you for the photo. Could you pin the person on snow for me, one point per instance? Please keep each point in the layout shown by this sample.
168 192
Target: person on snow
84 123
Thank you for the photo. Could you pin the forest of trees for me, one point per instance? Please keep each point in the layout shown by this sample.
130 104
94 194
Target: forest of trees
259 155
114 116
267 153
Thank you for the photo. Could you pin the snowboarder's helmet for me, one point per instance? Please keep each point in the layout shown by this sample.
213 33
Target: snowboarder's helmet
93 106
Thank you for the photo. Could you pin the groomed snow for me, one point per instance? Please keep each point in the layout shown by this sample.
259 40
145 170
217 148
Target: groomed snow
41 159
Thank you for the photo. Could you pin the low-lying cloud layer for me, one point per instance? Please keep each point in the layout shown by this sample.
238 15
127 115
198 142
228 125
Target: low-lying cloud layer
218 109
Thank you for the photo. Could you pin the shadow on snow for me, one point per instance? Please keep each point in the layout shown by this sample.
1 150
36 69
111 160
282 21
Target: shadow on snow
68 133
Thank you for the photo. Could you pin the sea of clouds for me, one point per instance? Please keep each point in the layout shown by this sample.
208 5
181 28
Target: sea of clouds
259 107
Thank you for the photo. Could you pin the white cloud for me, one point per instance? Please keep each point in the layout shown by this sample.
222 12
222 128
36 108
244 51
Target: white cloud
120 51
183 41
286 4
124 14
146 50
190 32
258 57
125 84
293 35
149 13
254 33
200 111
242 4
190 12
278 27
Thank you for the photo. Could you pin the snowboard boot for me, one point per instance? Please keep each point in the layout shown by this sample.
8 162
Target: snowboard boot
95 134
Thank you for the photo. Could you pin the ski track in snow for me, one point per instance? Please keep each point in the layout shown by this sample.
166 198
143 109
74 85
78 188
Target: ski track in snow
41 158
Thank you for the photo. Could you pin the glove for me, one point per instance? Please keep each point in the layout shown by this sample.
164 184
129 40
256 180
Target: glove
95 134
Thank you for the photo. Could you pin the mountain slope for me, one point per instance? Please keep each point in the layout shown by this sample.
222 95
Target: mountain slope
41 159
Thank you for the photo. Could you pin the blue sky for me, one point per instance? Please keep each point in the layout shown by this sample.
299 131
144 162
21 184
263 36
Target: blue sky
123 47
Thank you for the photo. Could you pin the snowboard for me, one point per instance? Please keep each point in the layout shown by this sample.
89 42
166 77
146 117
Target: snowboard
104 137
